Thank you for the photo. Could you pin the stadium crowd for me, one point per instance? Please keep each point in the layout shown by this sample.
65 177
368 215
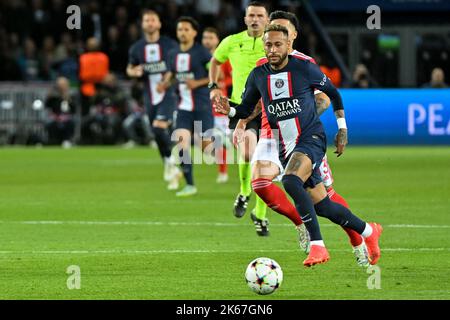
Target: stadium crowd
36 45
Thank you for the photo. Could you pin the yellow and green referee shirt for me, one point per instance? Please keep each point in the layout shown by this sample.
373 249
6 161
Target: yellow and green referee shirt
243 51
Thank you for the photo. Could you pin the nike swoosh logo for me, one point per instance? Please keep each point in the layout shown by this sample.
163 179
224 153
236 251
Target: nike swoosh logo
277 94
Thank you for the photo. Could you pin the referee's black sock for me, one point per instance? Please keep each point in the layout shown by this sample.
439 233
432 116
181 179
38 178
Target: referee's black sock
339 214
162 139
303 203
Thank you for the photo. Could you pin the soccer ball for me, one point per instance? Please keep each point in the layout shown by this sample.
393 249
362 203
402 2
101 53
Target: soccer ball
263 275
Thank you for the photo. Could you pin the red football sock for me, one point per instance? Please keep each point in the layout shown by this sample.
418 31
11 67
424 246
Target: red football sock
355 238
276 199
222 160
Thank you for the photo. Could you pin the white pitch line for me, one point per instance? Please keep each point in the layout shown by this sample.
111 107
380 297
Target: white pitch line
431 226
179 251
185 223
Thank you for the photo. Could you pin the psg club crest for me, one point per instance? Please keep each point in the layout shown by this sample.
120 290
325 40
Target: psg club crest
279 83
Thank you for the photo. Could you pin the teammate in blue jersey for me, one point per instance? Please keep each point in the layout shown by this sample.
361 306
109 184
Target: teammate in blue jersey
286 86
188 65
148 61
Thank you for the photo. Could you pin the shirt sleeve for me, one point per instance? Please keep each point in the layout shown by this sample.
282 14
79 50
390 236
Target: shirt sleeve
319 81
171 61
171 52
250 98
223 50
133 57
173 45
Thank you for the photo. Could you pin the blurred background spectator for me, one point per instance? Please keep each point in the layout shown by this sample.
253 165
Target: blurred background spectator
66 58
103 123
437 79
34 38
37 50
29 62
362 78
61 106
136 125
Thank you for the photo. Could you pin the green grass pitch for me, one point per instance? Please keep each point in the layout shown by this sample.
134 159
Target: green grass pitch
107 211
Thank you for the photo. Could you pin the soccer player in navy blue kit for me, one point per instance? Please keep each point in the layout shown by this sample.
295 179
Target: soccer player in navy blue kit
286 85
148 60
189 69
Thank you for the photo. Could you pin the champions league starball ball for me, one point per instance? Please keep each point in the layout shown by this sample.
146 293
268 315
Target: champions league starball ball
264 275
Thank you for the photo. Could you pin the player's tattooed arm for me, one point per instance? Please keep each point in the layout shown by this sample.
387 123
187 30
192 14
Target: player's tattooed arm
255 112
323 83
339 113
322 103
341 138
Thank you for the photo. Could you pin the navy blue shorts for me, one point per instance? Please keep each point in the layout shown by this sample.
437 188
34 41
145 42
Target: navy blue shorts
204 119
162 111
314 148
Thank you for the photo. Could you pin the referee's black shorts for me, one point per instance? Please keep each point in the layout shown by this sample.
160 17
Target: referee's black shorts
255 124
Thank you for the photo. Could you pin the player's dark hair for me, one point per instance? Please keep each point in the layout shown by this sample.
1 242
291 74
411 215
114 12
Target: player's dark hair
212 30
279 14
257 4
150 11
276 27
191 20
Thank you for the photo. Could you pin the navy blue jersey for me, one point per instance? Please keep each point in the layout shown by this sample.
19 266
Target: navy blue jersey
288 98
191 64
153 57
